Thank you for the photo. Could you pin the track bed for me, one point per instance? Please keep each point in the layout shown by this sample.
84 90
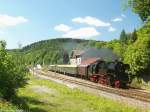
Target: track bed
131 93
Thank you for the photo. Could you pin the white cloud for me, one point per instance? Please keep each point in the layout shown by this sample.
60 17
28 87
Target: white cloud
122 15
118 19
91 21
1 32
111 29
62 28
6 20
82 33
78 20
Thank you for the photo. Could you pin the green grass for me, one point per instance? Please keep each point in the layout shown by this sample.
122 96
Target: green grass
140 83
63 99
6 106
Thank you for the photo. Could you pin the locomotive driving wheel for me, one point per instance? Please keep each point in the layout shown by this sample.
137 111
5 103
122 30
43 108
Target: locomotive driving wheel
117 84
94 78
111 80
108 81
102 80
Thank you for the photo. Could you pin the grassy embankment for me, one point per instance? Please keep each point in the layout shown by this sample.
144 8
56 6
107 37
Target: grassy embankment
45 96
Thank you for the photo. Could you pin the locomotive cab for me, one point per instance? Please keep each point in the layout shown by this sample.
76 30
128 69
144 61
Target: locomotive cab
98 71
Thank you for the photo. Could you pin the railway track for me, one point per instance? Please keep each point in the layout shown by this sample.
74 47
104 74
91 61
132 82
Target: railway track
131 93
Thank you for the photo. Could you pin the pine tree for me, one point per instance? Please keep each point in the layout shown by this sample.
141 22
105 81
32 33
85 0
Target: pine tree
123 37
134 36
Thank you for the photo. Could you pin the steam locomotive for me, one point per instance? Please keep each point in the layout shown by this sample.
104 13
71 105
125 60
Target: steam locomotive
106 73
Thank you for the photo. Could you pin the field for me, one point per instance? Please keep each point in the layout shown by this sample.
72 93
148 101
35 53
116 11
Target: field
45 96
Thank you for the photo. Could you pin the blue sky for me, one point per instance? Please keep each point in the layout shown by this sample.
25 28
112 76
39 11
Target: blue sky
28 21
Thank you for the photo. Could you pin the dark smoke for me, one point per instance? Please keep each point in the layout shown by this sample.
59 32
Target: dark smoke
103 53
70 45
89 52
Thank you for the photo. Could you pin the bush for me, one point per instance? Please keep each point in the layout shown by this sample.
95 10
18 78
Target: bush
12 75
136 83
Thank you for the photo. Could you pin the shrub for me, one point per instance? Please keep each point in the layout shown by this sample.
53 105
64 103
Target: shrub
12 75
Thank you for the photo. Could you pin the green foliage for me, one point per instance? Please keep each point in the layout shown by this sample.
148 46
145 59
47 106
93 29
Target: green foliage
2 44
123 37
7 107
12 76
91 42
141 7
136 82
116 46
138 54
133 36
100 44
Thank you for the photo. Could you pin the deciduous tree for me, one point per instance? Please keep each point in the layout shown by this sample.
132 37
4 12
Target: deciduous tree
12 75
141 7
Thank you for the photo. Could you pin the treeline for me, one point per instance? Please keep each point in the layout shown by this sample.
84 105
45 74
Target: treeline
118 45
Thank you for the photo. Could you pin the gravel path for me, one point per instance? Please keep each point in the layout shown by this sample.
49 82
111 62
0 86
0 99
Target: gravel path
42 89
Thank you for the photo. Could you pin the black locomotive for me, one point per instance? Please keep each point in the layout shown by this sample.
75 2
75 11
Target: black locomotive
109 73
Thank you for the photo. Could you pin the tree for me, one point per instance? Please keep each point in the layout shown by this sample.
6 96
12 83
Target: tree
65 57
141 7
117 47
2 44
100 44
138 53
123 37
12 74
19 45
134 36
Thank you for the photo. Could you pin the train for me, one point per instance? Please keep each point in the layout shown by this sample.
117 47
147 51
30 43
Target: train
109 73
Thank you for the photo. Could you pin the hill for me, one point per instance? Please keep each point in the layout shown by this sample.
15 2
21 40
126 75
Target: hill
49 51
